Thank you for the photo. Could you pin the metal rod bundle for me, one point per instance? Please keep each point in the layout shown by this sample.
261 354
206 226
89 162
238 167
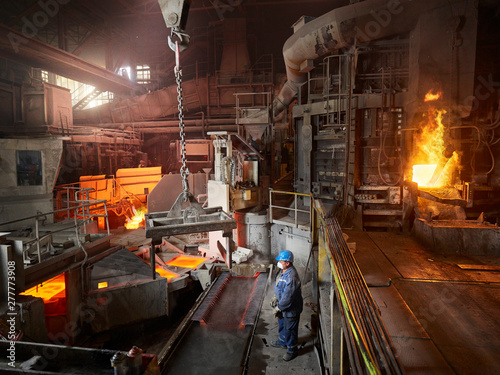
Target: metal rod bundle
371 349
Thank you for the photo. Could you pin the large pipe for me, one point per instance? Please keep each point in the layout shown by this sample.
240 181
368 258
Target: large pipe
171 127
190 129
361 22
161 123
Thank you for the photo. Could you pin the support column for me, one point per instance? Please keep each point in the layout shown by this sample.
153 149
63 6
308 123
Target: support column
62 31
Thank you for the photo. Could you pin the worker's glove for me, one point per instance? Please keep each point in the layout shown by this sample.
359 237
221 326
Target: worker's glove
278 313
274 302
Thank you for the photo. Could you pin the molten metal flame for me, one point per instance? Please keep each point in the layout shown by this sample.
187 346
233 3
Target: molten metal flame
137 220
53 288
186 261
430 96
423 173
104 284
431 167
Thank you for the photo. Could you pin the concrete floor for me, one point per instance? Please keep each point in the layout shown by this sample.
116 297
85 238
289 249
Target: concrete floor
441 313
264 359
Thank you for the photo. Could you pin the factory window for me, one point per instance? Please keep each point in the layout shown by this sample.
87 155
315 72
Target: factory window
143 74
29 168
102 98
45 76
81 92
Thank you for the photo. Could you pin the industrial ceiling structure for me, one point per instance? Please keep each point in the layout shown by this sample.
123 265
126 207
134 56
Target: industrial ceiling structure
156 155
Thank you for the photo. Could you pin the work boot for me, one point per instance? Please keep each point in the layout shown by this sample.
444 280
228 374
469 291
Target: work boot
278 344
289 356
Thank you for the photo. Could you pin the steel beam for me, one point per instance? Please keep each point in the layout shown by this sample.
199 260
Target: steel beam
159 225
17 47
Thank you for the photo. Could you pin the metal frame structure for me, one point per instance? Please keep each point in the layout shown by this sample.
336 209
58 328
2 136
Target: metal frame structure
192 219
285 220
81 214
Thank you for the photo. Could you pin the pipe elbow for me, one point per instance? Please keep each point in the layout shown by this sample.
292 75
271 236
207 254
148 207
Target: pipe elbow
340 28
285 97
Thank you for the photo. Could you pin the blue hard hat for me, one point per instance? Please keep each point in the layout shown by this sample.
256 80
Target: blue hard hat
285 255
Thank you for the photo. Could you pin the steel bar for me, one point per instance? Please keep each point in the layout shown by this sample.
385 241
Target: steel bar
364 327
158 224
355 295
90 203
373 310
16 46
363 307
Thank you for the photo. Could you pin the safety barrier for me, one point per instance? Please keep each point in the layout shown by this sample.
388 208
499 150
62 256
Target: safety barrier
280 214
81 210
359 342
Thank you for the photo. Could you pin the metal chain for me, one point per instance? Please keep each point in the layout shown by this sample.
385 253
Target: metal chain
178 78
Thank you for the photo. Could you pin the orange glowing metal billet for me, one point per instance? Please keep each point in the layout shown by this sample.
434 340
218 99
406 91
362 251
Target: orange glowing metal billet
166 274
48 289
186 261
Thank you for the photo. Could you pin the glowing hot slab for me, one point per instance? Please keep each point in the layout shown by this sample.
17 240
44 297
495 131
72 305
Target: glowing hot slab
185 261
48 289
165 273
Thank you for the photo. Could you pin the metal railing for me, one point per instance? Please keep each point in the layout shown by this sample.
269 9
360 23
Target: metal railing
113 188
119 200
80 204
80 210
287 219
357 341
253 113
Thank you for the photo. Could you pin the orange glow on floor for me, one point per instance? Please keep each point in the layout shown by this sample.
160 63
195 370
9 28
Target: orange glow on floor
185 261
49 289
165 273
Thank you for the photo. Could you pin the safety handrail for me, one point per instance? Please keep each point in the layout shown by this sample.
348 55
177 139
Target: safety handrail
266 102
369 346
80 220
82 202
93 191
295 208
39 215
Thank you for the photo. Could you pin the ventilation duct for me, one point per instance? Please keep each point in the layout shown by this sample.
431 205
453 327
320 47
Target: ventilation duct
360 22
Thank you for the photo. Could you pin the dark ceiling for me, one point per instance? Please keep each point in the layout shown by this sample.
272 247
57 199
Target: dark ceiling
135 29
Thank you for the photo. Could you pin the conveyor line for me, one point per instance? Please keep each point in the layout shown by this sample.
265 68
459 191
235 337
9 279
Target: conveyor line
215 337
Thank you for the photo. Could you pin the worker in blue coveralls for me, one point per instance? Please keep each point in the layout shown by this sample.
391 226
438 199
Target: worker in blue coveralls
287 305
